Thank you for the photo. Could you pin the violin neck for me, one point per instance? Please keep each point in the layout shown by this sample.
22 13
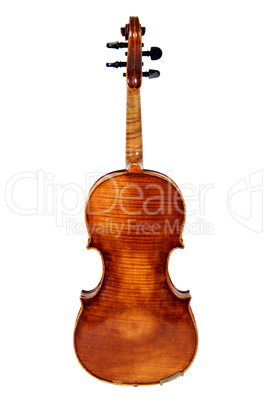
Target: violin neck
133 129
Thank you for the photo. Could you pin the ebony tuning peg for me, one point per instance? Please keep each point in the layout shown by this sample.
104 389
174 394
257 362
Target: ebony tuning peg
116 45
117 64
151 74
155 53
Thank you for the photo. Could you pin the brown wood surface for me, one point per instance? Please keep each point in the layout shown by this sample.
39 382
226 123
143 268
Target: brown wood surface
133 129
134 54
135 327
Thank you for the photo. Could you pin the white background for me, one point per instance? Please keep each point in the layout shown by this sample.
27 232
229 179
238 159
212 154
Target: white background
204 123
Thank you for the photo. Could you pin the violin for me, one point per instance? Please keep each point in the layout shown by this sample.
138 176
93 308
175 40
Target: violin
135 328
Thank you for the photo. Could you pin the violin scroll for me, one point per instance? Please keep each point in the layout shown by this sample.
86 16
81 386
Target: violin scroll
133 32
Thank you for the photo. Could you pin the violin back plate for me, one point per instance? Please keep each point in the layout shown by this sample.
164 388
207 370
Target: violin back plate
135 327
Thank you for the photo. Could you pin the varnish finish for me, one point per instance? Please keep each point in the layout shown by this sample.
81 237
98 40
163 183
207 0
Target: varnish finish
134 153
135 327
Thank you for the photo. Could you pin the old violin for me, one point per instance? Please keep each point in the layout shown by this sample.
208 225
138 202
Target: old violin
135 327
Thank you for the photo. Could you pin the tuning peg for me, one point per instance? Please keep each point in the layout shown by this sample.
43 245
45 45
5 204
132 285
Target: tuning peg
116 45
155 53
151 74
117 64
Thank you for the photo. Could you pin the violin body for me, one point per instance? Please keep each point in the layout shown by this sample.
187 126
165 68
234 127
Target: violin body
135 327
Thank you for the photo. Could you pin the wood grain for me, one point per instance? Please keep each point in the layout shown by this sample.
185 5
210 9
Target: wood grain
134 153
135 328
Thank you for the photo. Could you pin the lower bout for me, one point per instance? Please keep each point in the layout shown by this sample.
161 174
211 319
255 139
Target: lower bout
133 351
